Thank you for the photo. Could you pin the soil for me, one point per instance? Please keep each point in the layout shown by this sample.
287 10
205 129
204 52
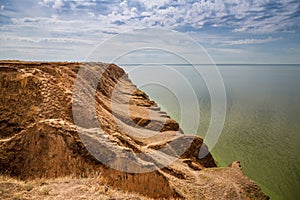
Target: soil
60 120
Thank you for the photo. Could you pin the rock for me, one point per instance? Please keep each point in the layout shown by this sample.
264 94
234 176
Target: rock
119 133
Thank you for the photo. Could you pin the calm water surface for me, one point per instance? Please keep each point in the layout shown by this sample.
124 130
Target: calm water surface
262 127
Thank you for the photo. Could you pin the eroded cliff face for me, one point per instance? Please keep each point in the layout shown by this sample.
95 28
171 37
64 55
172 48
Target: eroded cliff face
121 132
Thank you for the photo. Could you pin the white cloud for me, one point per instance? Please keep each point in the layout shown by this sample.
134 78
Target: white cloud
154 3
239 15
52 3
227 51
75 23
251 41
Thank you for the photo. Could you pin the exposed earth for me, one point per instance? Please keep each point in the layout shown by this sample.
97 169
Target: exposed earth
60 141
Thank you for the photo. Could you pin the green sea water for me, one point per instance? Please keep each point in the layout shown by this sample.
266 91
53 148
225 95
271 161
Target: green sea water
262 125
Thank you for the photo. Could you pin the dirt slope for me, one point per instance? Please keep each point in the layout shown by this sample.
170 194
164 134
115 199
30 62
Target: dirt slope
118 132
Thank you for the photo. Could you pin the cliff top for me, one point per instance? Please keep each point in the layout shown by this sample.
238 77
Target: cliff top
63 119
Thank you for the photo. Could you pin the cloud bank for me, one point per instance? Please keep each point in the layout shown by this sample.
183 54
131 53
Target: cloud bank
78 25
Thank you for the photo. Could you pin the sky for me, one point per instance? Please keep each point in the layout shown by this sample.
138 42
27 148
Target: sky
231 31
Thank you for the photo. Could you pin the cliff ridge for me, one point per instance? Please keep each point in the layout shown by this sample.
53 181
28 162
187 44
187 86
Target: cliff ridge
53 124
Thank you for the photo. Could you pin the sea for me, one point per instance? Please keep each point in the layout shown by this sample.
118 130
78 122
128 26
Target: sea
262 121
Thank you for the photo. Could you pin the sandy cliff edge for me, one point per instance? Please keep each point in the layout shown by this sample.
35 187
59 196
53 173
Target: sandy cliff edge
39 139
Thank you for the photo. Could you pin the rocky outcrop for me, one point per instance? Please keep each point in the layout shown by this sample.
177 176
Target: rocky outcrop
60 119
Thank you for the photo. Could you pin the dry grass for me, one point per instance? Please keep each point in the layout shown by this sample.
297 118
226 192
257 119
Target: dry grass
62 188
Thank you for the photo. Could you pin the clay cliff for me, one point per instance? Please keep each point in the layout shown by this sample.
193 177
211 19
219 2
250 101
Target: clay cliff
64 119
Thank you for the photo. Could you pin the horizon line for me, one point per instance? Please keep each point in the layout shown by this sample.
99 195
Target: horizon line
86 61
208 64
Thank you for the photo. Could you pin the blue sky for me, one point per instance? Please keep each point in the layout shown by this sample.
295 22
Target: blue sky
232 31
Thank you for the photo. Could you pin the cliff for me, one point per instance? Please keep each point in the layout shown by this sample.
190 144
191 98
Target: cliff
53 124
